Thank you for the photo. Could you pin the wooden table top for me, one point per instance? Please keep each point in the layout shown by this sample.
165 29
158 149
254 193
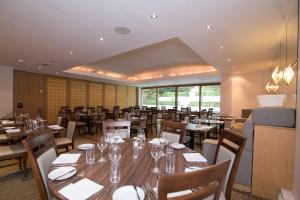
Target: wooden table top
133 171
44 129
199 127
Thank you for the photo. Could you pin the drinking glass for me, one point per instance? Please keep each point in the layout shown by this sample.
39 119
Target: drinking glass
101 143
90 155
156 153
116 136
170 162
115 172
141 136
115 153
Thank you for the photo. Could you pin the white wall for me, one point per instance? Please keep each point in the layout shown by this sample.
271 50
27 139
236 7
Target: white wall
6 90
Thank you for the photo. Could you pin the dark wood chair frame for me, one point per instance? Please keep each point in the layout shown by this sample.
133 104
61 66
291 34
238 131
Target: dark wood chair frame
239 141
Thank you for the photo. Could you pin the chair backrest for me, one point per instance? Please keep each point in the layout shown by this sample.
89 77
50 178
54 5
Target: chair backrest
172 115
41 151
131 109
91 109
171 137
70 130
174 127
99 108
230 146
122 126
144 108
204 183
184 110
154 117
58 122
143 122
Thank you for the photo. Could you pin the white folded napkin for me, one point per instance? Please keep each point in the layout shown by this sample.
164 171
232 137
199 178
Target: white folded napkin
66 158
175 194
120 140
9 127
56 127
17 130
194 157
7 122
156 141
81 190
191 169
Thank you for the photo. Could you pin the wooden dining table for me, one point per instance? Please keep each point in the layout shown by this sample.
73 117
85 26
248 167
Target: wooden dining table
198 129
134 171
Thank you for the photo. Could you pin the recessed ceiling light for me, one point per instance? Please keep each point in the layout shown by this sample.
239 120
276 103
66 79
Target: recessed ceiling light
20 60
228 59
101 39
208 27
71 52
221 47
56 72
122 30
40 67
153 16
233 67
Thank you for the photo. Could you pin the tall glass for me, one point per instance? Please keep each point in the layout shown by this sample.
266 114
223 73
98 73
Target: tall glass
142 137
170 162
115 172
90 155
115 153
101 143
163 142
156 153
116 136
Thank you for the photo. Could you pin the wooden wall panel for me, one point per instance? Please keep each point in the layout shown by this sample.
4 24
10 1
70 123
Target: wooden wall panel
78 93
109 96
96 94
122 96
29 89
273 160
56 97
131 96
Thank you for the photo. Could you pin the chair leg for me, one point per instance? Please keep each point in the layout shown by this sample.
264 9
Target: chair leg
24 159
20 163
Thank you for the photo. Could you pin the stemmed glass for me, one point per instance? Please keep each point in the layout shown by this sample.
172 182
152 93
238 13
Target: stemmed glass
101 143
141 136
163 142
116 136
156 153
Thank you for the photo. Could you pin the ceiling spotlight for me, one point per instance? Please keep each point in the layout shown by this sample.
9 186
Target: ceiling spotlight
228 59
40 67
221 47
71 52
154 16
56 72
20 60
101 39
208 27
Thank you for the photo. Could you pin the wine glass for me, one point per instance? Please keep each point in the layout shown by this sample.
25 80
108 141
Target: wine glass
116 136
141 136
115 153
101 143
163 142
156 153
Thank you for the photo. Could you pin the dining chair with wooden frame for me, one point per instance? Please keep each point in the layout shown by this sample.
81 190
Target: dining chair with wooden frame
42 152
204 183
230 146
175 128
122 126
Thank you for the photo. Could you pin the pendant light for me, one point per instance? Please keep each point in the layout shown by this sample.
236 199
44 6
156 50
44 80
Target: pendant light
277 74
288 72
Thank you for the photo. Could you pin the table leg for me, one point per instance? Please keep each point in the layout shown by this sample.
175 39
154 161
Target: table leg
192 135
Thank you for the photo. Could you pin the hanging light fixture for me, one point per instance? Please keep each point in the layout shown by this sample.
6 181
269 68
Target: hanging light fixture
270 87
288 72
277 75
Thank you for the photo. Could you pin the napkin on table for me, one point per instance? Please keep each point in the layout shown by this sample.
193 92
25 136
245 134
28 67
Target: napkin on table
17 130
191 169
194 157
81 190
155 141
56 127
66 158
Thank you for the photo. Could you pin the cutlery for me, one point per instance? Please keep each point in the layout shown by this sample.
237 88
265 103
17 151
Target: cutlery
62 175
136 191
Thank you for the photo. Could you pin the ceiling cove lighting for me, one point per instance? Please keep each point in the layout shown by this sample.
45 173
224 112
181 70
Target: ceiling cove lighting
208 27
101 39
114 75
221 47
228 59
71 52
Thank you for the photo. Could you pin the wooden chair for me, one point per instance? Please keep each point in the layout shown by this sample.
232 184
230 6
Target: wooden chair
122 126
230 146
41 152
204 183
98 119
68 140
80 125
142 125
16 151
144 108
153 122
175 128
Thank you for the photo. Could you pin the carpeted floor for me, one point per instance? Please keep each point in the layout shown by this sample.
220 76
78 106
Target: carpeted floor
18 187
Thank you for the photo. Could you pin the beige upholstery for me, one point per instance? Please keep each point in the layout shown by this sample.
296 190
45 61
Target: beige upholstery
12 151
70 130
3 138
171 137
123 127
44 163
62 141
58 122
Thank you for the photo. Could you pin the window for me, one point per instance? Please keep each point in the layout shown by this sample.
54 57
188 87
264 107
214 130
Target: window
210 97
149 97
166 97
188 97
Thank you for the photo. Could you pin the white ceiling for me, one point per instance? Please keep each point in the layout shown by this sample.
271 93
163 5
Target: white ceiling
46 31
